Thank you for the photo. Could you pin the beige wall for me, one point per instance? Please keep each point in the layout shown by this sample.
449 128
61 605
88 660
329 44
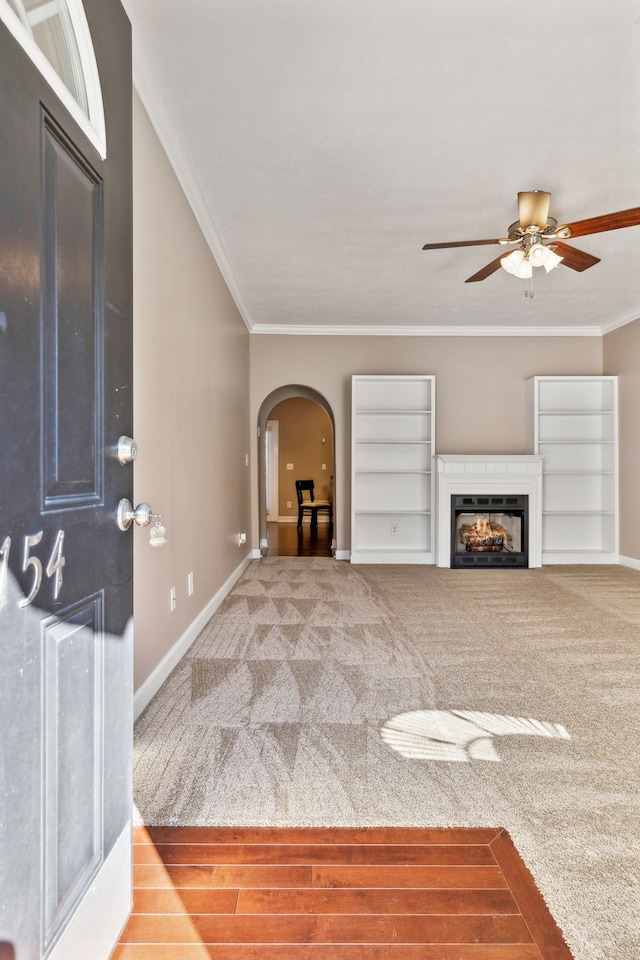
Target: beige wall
191 374
479 387
305 438
621 354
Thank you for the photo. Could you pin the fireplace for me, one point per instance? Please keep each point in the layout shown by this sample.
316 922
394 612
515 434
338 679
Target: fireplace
489 531
503 489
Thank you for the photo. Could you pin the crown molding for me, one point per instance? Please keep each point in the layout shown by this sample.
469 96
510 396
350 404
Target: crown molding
616 324
436 331
147 86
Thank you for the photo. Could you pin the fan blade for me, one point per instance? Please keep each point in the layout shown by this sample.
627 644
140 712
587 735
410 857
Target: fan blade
488 270
533 208
576 259
610 221
457 243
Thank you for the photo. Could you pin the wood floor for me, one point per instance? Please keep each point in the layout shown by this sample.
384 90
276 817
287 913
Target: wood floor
334 894
285 540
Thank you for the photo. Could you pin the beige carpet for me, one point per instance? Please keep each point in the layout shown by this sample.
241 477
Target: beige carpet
328 694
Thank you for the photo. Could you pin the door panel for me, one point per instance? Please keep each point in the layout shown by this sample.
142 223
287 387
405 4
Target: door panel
73 358
66 699
73 645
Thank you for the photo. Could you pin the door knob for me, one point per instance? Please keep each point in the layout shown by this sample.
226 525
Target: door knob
128 514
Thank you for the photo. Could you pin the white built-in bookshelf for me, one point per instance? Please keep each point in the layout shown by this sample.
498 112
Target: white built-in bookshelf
572 423
392 489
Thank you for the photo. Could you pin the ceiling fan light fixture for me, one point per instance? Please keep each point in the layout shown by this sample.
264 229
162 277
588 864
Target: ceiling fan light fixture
543 256
517 265
553 260
537 236
538 254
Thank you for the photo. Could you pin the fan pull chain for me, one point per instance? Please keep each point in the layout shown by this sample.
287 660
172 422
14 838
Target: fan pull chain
528 290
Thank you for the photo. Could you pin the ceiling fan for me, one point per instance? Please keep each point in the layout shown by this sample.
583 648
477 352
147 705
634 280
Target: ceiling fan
539 241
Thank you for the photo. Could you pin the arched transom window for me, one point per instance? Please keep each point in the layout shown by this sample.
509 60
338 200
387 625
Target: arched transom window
55 34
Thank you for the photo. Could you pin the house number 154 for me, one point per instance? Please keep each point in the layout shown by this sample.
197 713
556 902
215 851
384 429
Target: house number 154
33 564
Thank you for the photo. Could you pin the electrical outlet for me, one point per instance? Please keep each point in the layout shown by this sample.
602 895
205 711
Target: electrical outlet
394 529
324 466
190 584
288 504
172 599
242 538
289 466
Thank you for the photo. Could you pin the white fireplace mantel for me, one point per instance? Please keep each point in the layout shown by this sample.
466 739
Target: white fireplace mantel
461 475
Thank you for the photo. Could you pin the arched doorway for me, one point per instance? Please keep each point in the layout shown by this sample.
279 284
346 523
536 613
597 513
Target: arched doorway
318 459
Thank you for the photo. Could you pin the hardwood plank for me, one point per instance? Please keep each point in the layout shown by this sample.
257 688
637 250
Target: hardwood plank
497 951
287 853
393 876
323 894
334 835
157 951
156 928
285 540
154 900
350 929
315 951
152 875
545 932
146 852
366 901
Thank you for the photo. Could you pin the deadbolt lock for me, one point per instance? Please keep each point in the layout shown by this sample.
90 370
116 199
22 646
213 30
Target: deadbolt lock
127 450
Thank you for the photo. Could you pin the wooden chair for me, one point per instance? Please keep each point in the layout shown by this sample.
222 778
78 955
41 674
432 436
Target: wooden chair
309 504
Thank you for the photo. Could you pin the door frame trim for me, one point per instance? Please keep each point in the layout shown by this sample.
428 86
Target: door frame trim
109 899
264 413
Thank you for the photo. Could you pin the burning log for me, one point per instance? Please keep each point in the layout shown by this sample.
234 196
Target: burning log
483 536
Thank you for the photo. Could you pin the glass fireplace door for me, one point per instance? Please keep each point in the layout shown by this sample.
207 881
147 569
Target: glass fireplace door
489 531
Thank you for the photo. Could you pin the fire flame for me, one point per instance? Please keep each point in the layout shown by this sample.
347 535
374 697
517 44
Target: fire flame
484 527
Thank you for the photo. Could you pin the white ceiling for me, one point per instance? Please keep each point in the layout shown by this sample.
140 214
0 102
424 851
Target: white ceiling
321 144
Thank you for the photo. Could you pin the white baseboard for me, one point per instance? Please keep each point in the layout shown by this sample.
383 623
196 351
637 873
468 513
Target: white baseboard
342 555
578 557
147 690
629 562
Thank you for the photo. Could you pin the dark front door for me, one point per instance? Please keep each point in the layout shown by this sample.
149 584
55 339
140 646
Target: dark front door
65 567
